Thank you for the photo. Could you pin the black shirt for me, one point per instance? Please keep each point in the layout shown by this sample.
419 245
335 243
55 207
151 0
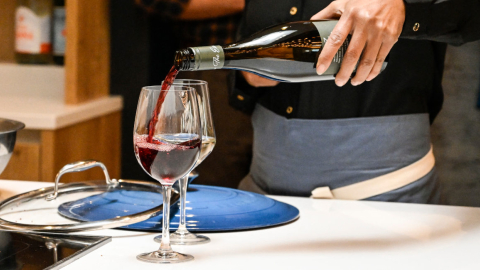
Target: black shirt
214 31
411 83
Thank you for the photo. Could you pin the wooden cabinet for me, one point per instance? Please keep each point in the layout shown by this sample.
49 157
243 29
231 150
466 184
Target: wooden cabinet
68 111
87 60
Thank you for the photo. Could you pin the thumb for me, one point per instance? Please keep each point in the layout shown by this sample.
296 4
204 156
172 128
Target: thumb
330 12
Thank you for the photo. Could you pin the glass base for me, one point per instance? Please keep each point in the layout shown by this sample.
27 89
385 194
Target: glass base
164 257
187 238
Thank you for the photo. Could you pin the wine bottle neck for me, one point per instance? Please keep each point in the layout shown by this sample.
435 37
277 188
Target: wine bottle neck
184 59
200 58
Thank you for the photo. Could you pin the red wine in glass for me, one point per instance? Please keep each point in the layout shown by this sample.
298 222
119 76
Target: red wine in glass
169 157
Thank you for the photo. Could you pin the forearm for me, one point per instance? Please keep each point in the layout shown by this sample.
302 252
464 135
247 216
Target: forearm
207 9
450 21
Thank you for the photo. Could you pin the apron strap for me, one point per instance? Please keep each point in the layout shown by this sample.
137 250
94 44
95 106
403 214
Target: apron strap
381 184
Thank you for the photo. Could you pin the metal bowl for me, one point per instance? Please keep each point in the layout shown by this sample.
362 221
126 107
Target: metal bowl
8 134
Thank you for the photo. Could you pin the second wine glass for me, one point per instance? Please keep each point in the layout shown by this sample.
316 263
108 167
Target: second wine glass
167 141
182 236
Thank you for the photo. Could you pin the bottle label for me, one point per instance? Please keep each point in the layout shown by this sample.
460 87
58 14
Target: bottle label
208 57
32 32
325 29
59 32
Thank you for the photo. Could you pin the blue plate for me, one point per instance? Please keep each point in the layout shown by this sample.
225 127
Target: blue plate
209 209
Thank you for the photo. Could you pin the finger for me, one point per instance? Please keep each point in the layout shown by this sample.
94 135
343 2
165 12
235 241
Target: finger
382 54
367 61
351 57
330 12
334 42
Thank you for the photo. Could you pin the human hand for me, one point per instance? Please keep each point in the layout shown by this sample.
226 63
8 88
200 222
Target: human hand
375 26
258 81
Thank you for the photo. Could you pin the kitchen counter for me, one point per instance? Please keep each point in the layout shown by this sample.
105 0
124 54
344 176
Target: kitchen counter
34 95
330 234
38 112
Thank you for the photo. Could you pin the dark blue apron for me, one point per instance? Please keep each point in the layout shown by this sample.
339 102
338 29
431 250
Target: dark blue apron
295 156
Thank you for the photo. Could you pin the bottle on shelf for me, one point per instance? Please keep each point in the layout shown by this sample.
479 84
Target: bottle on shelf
33 31
59 34
286 52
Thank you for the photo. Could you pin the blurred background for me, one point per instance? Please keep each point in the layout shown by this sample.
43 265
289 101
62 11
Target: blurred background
74 112
456 131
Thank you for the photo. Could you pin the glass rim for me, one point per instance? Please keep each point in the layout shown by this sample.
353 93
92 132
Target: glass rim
190 82
174 87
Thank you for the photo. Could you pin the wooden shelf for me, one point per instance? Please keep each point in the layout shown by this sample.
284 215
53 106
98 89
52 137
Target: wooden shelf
87 57
52 114
40 154
7 30
68 111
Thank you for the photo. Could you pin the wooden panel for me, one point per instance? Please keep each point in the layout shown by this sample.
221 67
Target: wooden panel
24 163
97 139
87 59
7 30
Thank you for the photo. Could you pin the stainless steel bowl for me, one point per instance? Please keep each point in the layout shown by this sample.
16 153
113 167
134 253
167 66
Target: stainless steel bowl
8 135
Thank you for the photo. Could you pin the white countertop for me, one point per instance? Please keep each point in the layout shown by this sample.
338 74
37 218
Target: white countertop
51 114
330 234
34 95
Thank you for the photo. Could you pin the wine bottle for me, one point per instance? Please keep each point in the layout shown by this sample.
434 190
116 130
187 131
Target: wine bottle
286 52
58 37
33 31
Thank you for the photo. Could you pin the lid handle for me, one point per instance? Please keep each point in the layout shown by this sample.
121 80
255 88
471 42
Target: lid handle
78 167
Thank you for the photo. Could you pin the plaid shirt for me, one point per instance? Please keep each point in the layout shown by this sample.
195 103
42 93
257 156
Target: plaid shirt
217 31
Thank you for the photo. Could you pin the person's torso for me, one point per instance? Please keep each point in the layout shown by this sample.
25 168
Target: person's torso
411 83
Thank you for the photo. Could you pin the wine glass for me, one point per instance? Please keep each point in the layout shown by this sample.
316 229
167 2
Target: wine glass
182 236
167 140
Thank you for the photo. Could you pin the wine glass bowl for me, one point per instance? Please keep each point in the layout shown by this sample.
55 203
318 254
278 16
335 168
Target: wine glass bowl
167 140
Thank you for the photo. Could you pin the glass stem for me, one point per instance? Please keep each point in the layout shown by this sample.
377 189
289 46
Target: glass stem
165 245
182 228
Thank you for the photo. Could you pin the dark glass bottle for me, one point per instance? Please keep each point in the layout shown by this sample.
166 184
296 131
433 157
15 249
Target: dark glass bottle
286 52
59 34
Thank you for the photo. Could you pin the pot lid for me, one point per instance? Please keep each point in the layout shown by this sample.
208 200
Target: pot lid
37 210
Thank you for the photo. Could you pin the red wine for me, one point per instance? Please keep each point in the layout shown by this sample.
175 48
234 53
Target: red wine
172 74
168 158
167 83
286 52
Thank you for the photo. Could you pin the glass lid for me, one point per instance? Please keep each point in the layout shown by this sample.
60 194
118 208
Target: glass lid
38 210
